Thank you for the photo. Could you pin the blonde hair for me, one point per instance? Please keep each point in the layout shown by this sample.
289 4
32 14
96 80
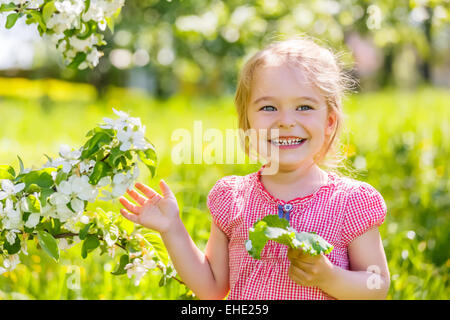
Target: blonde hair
322 68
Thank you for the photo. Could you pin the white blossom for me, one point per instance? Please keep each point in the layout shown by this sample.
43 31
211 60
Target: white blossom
118 124
10 263
140 266
10 188
112 251
63 244
49 210
84 219
67 159
104 182
136 269
11 236
87 166
121 183
33 220
67 16
67 153
93 57
148 261
13 219
74 190
130 137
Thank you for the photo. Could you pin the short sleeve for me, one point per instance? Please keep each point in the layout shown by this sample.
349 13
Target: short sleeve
366 209
219 202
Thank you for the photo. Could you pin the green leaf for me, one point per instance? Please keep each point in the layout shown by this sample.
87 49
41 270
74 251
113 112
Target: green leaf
312 243
110 21
32 188
11 20
42 178
36 17
7 172
277 229
95 143
12 248
52 225
8 169
101 169
70 32
45 194
126 225
148 157
33 203
109 132
114 156
61 176
84 232
124 260
48 10
91 27
157 244
22 168
87 5
7 7
49 244
90 244
79 58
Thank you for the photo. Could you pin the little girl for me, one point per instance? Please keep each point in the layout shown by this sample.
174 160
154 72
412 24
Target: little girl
295 86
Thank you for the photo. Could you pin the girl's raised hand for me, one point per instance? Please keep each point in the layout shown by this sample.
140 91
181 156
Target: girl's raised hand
153 210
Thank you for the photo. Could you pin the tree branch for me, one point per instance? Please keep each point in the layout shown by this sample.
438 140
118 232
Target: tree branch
71 234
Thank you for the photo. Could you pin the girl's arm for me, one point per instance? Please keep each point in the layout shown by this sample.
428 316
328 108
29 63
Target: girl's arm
205 274
367 279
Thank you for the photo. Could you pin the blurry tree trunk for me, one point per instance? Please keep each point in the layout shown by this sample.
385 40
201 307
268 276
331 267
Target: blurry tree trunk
387 71
425 68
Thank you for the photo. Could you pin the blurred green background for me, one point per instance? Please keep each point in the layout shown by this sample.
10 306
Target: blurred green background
172 63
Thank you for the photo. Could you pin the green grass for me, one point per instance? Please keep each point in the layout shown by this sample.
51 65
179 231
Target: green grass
399 140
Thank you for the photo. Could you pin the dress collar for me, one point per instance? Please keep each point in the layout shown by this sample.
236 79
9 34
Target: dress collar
331 182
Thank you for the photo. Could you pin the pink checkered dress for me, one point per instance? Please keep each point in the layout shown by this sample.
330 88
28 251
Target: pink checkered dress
339 211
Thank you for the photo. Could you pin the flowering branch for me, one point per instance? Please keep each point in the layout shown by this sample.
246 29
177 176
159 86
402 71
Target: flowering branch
50 203
72 25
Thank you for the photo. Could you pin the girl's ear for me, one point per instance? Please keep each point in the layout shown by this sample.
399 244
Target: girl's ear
331 123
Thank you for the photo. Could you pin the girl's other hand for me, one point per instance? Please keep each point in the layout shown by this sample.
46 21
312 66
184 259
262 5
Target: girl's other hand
153 210
307 270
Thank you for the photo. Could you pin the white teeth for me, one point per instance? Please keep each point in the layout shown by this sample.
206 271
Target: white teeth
287 142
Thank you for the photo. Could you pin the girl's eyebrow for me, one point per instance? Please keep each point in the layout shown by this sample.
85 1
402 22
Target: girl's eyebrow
299 98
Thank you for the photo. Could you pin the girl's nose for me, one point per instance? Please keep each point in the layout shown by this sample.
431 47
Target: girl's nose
286 121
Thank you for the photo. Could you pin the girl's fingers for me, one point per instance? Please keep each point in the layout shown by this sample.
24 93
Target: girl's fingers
127 204
302 265
136 196
151 194
299 276
130 216
167 193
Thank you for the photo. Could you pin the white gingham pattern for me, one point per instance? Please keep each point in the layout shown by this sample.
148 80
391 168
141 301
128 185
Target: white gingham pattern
339 211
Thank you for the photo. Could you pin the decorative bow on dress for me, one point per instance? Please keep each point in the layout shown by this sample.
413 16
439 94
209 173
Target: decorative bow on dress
284 211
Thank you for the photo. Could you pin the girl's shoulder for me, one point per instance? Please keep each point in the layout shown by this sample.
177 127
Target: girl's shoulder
365 208
233 184
223 196
353 187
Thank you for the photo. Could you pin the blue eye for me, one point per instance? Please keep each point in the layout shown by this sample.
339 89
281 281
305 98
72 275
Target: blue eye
305 107
268 108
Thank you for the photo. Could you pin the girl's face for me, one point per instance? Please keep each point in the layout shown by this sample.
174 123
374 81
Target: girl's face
282 98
